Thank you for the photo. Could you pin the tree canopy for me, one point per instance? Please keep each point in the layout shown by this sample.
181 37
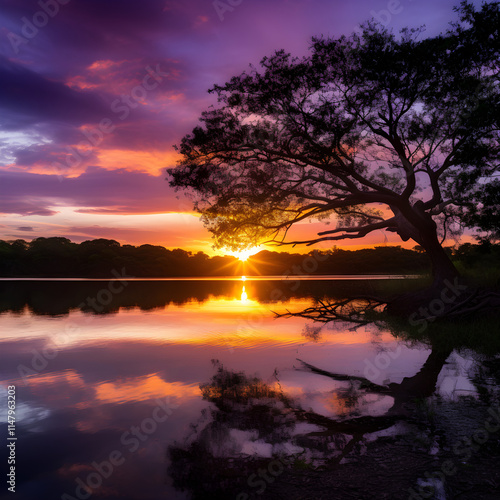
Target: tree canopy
375 130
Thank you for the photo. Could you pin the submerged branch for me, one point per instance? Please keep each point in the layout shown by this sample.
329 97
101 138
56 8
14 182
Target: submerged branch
349 310
365 383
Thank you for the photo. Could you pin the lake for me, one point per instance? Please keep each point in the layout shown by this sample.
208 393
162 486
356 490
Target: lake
177 389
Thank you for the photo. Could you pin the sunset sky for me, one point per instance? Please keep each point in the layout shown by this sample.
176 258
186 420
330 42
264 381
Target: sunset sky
94 94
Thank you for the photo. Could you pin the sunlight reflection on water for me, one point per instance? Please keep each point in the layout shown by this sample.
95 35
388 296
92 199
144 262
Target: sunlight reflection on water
91 377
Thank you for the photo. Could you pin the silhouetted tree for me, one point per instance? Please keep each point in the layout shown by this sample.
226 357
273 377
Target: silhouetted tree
379 131
484 212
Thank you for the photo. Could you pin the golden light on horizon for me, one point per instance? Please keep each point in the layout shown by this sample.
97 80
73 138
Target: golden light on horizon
243 255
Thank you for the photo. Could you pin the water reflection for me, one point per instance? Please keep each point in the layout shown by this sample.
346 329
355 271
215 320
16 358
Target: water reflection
258 441
86 378
60 297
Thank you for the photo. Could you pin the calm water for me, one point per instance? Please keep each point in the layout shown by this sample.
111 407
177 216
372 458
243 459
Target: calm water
108 384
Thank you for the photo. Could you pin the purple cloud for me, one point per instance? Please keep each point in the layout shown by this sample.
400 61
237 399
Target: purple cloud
29 98
87 60
96 191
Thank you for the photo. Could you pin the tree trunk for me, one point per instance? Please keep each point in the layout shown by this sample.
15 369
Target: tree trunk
423 230
443 268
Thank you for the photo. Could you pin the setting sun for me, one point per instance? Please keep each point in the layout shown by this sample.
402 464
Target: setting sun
244 254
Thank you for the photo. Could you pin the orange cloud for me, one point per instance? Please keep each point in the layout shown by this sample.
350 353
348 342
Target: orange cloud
152 162
143 388
102 64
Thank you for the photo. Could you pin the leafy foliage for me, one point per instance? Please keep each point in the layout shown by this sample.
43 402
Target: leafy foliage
379 131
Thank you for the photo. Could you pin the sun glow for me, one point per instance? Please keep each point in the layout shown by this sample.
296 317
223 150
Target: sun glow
244 254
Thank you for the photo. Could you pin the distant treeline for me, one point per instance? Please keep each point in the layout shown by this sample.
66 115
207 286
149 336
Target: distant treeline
59 257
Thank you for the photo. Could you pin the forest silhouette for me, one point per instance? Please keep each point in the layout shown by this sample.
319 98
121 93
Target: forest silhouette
59 257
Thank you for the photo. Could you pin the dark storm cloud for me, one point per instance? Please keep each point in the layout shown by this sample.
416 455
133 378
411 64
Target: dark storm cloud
93 29
35 99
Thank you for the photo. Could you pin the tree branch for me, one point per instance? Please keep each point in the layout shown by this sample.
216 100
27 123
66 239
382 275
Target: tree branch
363 230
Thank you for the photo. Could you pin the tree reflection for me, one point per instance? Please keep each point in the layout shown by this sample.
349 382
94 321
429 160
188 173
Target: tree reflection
61 297
252 423
245 410
421 385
